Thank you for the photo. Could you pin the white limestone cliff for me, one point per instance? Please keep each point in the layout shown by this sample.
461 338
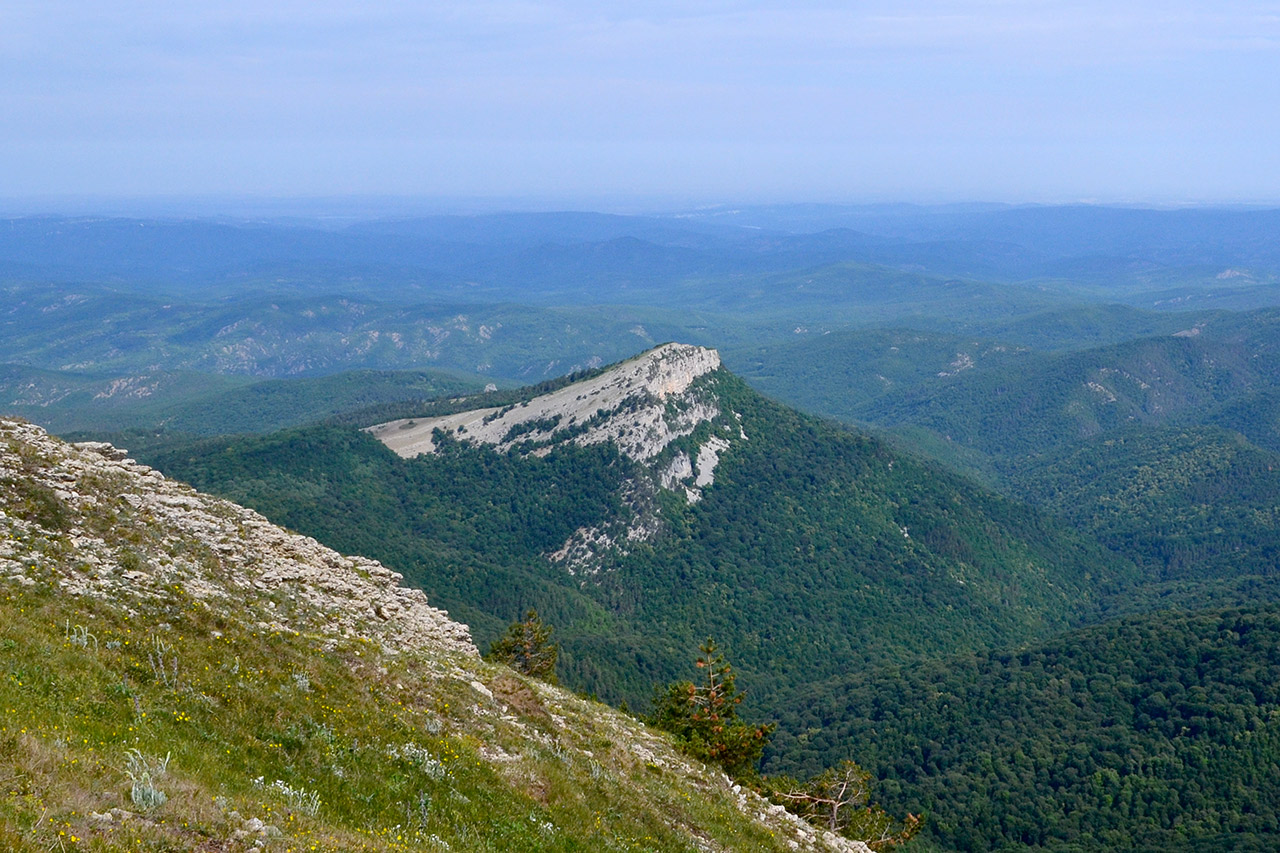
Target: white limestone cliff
641 405
648 381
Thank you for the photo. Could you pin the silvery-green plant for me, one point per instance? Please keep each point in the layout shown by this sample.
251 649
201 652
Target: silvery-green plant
307 802
164 663
79 636
422 757
144 773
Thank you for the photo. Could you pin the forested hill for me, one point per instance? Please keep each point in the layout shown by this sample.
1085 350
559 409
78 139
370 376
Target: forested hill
815 551
1195 507
1005 400
1155 733
1164 448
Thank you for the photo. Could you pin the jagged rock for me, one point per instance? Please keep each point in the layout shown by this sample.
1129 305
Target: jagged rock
215 550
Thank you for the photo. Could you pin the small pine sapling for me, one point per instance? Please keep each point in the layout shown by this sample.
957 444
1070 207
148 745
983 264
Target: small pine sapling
527 647
704 717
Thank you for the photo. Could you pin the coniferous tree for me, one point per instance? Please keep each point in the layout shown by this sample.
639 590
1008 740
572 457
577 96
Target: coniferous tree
838 799
704 716
527 647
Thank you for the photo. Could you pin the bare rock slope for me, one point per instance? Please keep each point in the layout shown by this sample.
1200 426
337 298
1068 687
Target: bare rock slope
127 531
626 404
650 407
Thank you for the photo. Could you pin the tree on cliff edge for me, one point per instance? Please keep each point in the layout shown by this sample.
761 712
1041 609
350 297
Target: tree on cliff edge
704 717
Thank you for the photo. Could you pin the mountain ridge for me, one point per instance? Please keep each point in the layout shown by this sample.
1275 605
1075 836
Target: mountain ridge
143 619
808 534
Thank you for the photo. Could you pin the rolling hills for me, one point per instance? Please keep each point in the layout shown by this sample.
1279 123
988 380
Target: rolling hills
210 404
1077 654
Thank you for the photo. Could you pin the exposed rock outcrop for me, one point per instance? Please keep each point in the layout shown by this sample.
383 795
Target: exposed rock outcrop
642 406
127 531
625 404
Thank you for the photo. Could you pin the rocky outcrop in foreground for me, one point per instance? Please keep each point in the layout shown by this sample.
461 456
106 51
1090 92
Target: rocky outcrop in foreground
112 528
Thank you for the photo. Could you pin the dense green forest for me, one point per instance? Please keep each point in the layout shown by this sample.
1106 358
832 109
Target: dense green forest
1009 397
1163 449
812 537
1155 733
1190 504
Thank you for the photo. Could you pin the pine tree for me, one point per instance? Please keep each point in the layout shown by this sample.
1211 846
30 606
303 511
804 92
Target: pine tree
704 717
838 800
527 647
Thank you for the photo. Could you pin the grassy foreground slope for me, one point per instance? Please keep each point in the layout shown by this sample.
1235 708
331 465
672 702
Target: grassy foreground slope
178 674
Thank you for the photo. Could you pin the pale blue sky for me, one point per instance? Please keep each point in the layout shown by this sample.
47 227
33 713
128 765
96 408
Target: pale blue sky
922 100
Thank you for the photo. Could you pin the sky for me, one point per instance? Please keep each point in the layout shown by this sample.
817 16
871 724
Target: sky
673 102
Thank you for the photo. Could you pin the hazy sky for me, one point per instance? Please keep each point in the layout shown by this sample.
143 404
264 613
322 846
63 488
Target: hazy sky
930 100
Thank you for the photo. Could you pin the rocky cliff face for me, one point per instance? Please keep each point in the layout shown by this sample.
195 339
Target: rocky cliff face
111 528
628 405
650 407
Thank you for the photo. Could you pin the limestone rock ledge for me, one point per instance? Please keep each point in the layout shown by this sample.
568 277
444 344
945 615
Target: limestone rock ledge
107 526
627 404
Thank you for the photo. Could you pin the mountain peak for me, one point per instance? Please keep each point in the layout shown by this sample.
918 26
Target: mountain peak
584 411
651 407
